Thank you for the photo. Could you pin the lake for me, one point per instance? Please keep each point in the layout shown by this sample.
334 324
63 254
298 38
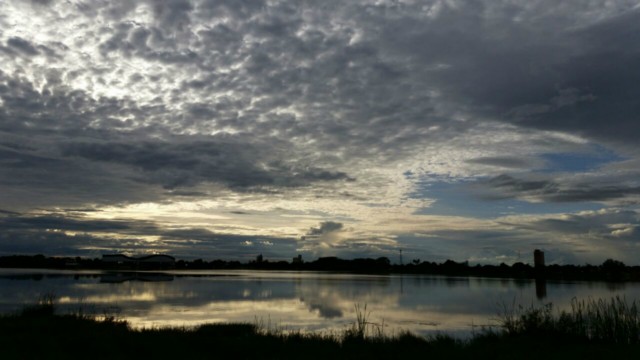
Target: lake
305 301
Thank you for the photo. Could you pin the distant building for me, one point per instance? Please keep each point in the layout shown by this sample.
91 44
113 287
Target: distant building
259 259
145 262
297 260
538 258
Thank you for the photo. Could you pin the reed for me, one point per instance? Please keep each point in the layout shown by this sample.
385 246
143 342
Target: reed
614 320
45 306
591 329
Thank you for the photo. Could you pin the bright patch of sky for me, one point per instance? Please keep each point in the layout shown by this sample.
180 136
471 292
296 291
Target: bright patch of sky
580 162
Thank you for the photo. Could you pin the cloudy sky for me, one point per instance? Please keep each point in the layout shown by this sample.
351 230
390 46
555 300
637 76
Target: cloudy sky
469 130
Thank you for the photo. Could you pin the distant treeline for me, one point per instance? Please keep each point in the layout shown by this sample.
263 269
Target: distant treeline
610 270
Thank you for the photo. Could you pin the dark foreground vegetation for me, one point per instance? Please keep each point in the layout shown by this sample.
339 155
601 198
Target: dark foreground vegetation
610 270
595 329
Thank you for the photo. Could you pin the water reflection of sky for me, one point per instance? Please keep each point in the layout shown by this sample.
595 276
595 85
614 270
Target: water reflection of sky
296 301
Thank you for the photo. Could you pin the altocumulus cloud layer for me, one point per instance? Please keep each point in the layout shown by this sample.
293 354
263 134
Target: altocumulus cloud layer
224 129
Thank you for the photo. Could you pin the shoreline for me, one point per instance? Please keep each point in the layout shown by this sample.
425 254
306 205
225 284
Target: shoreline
610 270
548 276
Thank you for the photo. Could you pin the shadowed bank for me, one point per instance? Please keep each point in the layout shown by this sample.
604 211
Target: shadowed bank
593 329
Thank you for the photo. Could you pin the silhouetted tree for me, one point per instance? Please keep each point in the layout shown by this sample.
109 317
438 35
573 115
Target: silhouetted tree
611 264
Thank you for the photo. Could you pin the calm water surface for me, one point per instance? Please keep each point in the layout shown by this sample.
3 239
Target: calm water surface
291 300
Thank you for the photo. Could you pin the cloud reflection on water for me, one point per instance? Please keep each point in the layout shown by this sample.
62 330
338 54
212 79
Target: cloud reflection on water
294 301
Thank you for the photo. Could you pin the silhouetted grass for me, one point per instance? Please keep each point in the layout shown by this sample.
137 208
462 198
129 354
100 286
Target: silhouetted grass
527 333
614 321
44 307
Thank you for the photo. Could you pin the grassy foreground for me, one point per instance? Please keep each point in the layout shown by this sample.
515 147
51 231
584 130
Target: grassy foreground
591 330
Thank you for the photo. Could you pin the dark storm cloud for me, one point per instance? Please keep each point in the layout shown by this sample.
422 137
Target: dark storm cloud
606 70
16 159
78 151
588 193
496 68
495 246
376 76
507 186
53 244
174 164
50 234
36 176
513 185
460 244
612 224
184 241
316 70
67 233
66 221
545 73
